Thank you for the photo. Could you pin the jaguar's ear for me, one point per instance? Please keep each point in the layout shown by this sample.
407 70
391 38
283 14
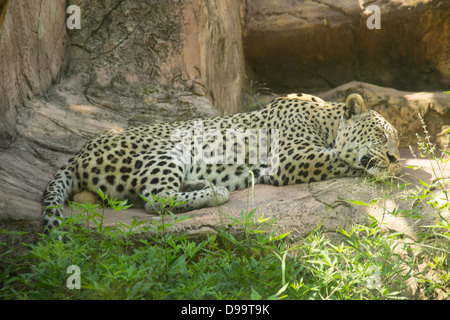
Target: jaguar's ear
355 105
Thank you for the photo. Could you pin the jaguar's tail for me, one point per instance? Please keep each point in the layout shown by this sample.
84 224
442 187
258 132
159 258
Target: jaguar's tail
55 194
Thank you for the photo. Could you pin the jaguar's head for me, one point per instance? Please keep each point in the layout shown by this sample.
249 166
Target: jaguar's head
366 141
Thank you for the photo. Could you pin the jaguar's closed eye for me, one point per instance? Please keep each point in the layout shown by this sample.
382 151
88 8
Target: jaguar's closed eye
383 135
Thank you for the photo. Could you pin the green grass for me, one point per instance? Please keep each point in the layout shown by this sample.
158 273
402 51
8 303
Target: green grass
363 264
118 263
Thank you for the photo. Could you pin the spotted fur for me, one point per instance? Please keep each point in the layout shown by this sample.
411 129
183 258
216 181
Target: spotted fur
317 140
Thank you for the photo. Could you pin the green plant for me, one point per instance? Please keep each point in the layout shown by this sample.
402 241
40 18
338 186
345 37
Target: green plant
430 250
362 264
437 240
253 95
427 150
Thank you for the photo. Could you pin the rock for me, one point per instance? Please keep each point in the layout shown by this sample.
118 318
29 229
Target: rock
129 47
318 45
402 109
32 53
221 55
125 66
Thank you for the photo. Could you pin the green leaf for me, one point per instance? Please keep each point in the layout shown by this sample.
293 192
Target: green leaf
177 262
101 194
243 216
414 167
359 203
280 236
182 217
424 183
345 233
261 219
276 296
255 295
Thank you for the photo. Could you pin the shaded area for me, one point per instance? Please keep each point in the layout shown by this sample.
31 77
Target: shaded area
325 43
